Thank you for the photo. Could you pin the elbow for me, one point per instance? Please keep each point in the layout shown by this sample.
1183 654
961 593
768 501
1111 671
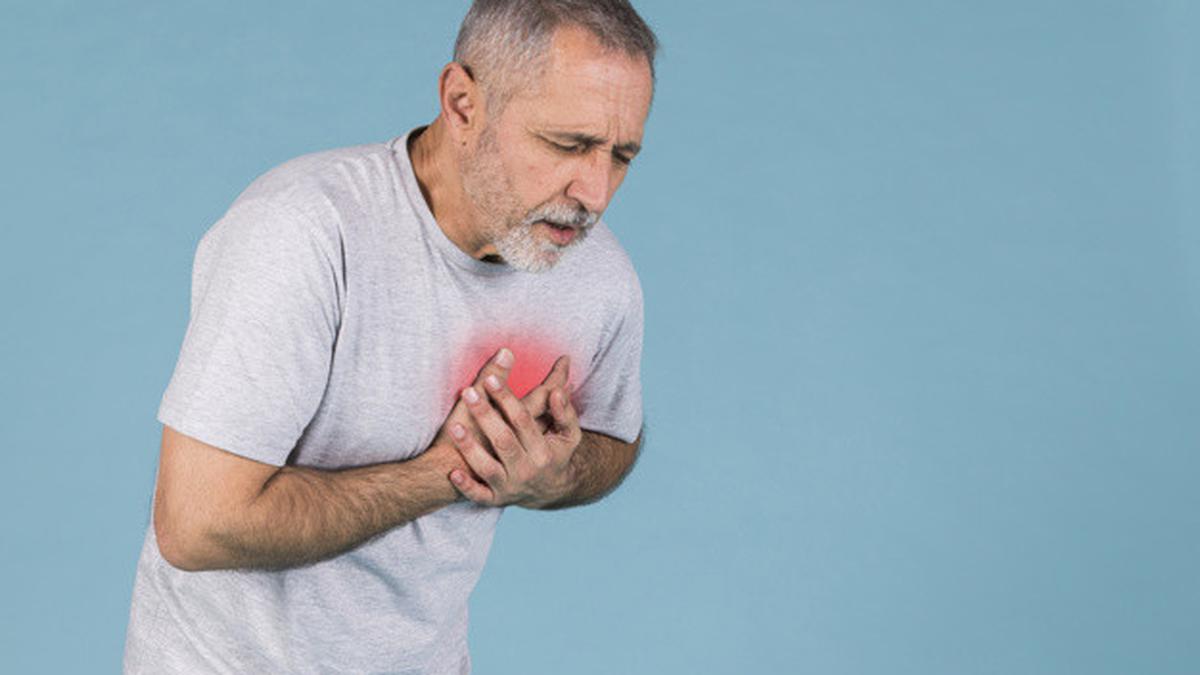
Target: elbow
174 548
180 545
180 559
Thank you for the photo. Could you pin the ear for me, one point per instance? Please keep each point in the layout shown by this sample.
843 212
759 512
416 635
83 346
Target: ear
462 103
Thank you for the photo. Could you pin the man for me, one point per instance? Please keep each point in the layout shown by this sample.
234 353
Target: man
390 343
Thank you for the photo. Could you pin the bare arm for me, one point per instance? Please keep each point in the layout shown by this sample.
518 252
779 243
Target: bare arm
599 465
217 510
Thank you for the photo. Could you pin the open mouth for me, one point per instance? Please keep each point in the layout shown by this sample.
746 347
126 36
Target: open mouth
560 234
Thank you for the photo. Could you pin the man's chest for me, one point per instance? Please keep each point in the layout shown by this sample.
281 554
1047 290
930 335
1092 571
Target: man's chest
402 356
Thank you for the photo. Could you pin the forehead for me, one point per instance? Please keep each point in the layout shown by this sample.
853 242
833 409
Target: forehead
586 88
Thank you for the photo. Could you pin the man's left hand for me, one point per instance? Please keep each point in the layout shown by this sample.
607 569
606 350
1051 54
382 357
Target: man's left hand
531 468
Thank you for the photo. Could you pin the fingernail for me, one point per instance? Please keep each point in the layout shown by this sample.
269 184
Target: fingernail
470 395
458 431
504 358
493 382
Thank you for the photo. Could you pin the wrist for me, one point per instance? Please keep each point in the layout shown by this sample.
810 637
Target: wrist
441 459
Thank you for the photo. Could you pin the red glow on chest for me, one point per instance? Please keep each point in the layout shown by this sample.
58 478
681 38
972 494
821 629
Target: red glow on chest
535 356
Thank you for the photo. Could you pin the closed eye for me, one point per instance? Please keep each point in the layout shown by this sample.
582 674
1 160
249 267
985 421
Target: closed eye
580 148
573 149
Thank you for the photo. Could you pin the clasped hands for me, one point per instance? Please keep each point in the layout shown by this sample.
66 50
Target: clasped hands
518 449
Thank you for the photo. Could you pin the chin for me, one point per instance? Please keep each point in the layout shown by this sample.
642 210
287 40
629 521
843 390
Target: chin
543 262
522 249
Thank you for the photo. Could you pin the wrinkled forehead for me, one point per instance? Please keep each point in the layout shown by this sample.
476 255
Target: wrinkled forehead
586 87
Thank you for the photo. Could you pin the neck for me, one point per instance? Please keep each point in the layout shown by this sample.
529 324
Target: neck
436 168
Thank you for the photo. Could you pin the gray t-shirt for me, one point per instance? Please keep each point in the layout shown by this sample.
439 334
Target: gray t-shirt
332 325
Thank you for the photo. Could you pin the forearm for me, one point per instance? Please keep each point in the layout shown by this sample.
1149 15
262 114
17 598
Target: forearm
598 465
305 515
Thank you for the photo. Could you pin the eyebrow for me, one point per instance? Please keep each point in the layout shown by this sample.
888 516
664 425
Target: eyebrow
631 148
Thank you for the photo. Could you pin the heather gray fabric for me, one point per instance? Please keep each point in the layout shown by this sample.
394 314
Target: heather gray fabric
332 323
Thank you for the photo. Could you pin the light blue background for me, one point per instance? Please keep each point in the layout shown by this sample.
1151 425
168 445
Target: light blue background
923 311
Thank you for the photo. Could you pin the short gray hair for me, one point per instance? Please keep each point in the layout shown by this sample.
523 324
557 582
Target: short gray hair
501 39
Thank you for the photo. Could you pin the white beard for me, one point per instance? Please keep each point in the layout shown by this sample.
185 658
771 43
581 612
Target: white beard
525 250
516 235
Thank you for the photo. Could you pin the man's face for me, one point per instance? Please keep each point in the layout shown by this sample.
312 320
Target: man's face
558 151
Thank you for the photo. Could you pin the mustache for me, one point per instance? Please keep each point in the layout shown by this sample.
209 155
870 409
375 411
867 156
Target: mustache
563 215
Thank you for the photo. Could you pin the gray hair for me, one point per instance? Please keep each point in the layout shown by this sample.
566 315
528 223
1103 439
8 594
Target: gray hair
503 42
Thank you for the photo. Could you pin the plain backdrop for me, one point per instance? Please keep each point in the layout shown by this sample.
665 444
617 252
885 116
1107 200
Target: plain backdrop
922 288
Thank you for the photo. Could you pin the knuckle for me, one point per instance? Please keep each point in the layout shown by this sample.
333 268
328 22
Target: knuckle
477 454
479 413
523 418
492 475
489 370
508 443
505 434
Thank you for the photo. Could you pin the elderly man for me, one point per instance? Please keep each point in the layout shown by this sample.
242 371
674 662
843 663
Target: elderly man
388 344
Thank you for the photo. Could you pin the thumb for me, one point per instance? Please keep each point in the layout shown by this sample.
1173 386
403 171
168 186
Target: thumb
537 401
561 409
559 373
556 378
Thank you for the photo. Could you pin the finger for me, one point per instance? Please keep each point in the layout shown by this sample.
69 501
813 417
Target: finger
571 430
536 403
536 400
463 416
504 441
479 459
518 418
563 411
472 489
557 377
500 365
460 415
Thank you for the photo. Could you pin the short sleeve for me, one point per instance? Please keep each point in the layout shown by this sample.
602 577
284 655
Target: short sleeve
610 399
265 311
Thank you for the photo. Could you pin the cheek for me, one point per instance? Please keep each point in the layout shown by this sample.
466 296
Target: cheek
537 175
538 179
618 177
530 171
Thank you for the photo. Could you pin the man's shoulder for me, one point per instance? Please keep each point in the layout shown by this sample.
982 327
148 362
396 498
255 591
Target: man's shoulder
306 198
323 177
604 254
602 264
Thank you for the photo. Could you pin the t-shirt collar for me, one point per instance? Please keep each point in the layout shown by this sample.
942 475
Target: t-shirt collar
433 231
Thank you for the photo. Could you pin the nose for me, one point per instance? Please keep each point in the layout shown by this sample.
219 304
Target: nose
589 185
